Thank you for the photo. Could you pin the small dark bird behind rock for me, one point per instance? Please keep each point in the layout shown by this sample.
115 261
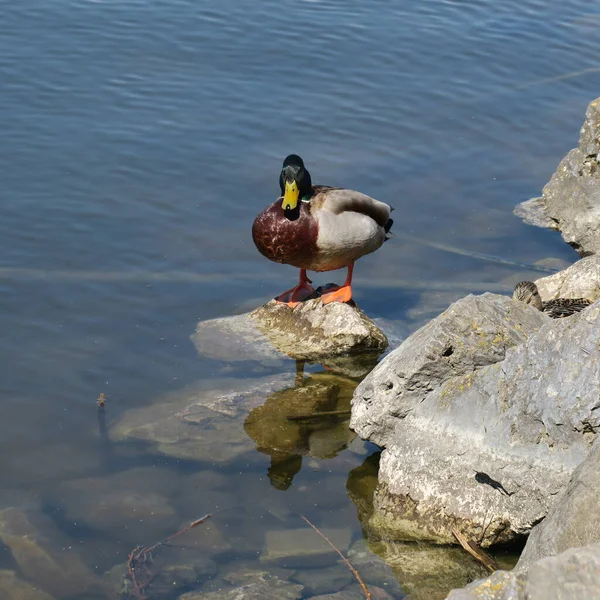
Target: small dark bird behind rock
527 292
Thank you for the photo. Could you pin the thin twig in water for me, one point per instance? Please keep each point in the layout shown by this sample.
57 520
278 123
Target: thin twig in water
474 550
348 563
140 554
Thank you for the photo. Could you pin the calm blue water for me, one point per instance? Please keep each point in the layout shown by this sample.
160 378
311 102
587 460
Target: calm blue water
140 139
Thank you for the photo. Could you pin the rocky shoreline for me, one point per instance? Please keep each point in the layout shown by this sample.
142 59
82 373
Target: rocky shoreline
488 415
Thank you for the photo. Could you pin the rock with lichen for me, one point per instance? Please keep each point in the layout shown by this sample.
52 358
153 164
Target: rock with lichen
574 519
571 199
580 280
572 575
484 414
337 333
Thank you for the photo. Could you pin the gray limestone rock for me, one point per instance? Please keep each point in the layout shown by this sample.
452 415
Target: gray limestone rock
473 332
574 519
572 575
533 212
580 280
310 331
571 199
481 448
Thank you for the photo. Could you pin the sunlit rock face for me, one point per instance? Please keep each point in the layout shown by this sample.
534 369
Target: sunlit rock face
574 519
310 331
572 575
484 414
571 198
580 280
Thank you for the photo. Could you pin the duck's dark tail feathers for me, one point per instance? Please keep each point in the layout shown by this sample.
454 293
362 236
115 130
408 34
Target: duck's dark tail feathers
387 227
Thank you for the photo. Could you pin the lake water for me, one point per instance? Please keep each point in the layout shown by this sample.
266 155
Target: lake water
139 140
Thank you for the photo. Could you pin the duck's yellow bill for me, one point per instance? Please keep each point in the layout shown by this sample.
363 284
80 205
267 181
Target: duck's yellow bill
290 198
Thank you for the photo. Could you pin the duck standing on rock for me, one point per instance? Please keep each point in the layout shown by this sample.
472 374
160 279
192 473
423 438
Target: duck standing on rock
319 228
527 291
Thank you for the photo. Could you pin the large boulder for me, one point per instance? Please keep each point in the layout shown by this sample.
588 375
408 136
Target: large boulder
473 332
574 520
580 280
572 575
484 414
571 199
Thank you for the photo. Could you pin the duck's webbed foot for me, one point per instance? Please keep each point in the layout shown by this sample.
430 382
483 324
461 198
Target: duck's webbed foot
339 294
298 293
343 293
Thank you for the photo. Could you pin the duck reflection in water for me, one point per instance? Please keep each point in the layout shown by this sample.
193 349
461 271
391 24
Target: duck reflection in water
309 419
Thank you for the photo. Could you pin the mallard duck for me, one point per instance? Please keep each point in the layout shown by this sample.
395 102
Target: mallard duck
319 228
527 291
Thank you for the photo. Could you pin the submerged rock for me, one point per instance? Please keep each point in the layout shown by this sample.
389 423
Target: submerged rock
580 280
481 448
251 585
298 548
132 505
327 579
572 196
57 570
572 575
574 519
311 331
200 423
13 588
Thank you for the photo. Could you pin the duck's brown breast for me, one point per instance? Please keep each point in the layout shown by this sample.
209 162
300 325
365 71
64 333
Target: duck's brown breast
283 240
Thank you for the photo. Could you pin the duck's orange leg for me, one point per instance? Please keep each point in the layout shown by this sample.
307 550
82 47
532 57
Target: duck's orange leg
342 293
294 296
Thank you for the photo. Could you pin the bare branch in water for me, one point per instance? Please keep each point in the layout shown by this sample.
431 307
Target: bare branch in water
138 571
474 550
348 563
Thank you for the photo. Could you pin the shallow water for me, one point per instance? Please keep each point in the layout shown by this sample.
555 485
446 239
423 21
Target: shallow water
141 138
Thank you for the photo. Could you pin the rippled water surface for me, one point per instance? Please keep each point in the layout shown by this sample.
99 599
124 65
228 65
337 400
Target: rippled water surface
139 140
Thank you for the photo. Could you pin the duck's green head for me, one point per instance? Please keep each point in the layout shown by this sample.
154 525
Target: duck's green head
294 181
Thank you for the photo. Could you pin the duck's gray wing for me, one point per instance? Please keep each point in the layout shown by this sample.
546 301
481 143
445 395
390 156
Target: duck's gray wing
340 200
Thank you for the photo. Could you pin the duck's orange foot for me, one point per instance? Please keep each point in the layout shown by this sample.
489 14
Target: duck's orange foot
341 294
296 295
